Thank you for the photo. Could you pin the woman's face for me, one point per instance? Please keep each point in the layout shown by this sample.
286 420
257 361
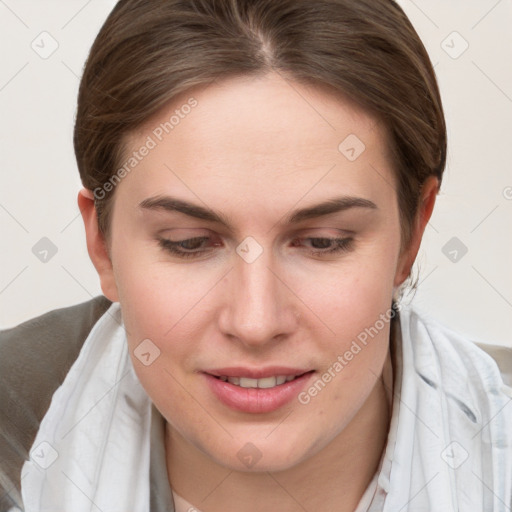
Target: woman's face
225 265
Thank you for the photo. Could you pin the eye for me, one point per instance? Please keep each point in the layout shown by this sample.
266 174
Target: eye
188 248
198 246
324 245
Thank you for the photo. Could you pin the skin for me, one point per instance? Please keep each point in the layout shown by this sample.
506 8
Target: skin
254 150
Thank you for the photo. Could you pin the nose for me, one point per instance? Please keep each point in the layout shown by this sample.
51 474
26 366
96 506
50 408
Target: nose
259 308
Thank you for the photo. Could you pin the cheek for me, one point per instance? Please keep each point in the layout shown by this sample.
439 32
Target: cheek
154 293
171 306
353 294
355 304
158 311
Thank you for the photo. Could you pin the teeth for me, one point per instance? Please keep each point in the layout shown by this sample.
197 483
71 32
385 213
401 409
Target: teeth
265 383
248 383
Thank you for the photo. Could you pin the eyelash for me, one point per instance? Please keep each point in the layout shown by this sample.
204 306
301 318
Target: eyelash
340 245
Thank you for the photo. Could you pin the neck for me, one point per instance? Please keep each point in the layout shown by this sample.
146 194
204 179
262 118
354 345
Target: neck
350 459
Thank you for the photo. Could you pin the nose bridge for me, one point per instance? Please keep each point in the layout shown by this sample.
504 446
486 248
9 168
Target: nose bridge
258 309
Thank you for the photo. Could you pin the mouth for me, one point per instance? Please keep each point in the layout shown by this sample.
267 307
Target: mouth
257 391
263 383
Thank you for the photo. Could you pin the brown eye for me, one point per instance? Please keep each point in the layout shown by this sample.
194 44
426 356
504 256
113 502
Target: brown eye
319 246
191 243
322 243
188 248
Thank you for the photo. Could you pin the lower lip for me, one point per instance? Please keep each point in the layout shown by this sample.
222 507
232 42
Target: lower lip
257 400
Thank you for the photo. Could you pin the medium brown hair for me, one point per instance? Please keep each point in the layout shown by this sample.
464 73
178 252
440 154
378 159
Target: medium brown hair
149 51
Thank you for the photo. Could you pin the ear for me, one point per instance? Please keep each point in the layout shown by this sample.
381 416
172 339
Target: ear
97 245
426 206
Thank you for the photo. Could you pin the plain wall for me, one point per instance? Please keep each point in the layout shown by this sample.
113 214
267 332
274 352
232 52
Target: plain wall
471 292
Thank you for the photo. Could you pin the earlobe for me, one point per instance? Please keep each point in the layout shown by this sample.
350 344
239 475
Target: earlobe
96 245
426 206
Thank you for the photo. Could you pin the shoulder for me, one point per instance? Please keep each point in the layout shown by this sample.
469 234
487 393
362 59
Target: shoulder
456 353
35 357
502 356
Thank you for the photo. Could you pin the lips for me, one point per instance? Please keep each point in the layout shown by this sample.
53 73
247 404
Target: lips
257 390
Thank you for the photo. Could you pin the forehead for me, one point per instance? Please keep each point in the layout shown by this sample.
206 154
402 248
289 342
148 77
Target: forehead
260 139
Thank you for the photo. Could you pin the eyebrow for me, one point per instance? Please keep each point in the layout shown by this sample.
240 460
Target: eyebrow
334 205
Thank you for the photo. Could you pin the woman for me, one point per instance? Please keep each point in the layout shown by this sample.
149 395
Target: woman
257 179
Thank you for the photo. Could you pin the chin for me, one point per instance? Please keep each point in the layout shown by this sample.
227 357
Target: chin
258 455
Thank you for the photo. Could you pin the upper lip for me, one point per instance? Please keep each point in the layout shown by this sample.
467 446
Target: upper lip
257 373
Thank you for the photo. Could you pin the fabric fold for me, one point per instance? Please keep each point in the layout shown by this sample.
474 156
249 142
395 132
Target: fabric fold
454 436
92 448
